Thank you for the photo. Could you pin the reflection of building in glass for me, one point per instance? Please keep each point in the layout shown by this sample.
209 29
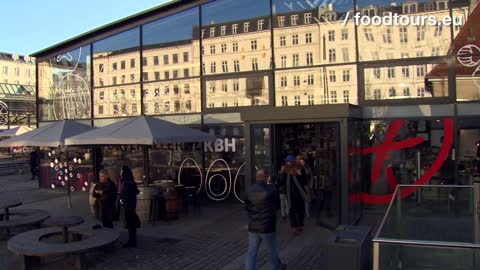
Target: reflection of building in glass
17 92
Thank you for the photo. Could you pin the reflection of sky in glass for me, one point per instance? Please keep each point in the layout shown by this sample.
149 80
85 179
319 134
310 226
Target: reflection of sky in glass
71 60
233 10
172 28
286 6
124 40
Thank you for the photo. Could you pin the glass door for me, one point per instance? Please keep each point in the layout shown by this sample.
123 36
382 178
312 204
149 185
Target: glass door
261 149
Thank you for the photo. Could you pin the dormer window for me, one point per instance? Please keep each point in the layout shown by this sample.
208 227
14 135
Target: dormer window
281 21
441 5
410 8
212 32
234 28
223 30
245 27
260 25
308 18
294 19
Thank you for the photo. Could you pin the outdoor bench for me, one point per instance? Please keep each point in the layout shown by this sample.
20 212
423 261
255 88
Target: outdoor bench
32 248
23 218
15 166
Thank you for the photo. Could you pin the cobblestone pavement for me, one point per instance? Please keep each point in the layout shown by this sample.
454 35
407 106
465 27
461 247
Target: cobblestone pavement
216 238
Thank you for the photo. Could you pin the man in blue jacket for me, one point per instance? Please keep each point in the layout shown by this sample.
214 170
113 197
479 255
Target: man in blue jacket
261 205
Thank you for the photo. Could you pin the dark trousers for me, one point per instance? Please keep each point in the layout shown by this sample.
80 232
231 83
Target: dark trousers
131 219
33 170
297 214
107 216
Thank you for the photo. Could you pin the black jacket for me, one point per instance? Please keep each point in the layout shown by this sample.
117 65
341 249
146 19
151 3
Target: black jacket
261 205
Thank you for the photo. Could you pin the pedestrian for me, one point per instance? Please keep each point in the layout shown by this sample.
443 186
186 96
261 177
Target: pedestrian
306 173
128 199
281 186
261 205
105 193
34 164
296 194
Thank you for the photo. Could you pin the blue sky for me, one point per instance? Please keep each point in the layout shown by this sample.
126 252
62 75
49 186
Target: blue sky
28 26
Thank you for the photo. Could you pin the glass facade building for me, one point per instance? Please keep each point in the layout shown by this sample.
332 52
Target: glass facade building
380 104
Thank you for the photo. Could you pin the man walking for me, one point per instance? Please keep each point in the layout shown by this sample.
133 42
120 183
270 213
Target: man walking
261 205
34 163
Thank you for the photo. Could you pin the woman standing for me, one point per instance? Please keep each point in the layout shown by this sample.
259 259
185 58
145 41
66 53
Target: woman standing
128 199
105 193
295 183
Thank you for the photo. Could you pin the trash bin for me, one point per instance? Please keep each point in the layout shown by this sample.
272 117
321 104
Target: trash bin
352 242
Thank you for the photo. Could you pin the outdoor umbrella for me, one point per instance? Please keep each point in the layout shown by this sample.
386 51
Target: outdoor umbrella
140 130
52 135
15 131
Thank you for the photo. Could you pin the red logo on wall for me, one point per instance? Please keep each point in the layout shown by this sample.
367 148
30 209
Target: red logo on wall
381 153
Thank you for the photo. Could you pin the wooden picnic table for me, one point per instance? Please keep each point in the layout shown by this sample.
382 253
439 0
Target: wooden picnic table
64 223
6 205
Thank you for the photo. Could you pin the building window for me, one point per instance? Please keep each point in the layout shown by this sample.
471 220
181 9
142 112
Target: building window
132 93
260 25
332 56
331 35
310 80
145 108
186 88
211 105
344 34
224 48
311 99
346 75
283 82
156 62
438 30
132 63
101 95
166 75
253 45
224 104
212 87
421 92
392 92
236 85
283 41
175 74
284 61
122 65
246 25
254 64
435 51
295 39
391 72
296 80
144 61
294 19
309 59
403 35
377 73
405 72
114 66
157 75
234 28
377 94
368 34
295 60
223 30
114 80
421 33
224 66
281 21
406 92
213 67
387 36
308 38
115 109
224 86
284 101
212 49
345 54
212 32
236 66
186 73
346 96
297 100
420 71
100 68
175 58
332 76
204 70
100 109
185 57
333 96
307 18
165 60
